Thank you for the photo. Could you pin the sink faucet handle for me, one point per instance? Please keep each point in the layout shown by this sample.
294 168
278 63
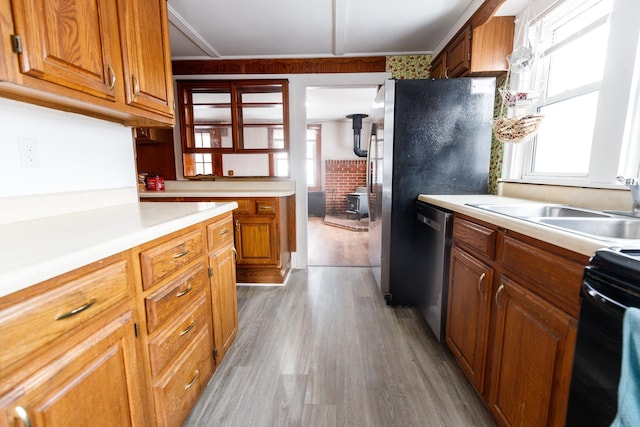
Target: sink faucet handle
627 181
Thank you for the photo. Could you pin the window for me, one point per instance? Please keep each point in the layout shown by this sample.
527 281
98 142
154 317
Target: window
588 88
234 128
314 166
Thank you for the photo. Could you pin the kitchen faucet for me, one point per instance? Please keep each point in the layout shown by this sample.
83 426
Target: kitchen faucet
634 186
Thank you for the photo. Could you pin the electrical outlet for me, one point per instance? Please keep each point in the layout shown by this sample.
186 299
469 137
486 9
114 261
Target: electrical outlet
29 153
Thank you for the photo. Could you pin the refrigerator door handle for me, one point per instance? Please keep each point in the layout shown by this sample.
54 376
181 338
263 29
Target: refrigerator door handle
369 165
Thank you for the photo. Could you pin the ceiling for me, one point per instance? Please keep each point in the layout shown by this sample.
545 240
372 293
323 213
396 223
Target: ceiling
223 29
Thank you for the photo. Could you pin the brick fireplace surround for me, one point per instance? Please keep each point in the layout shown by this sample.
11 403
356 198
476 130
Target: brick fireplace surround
341 177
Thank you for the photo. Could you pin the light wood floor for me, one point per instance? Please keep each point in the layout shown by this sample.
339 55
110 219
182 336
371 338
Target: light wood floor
325 350
334 246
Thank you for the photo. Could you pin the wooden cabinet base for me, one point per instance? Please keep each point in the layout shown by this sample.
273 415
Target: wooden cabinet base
263 275
511 323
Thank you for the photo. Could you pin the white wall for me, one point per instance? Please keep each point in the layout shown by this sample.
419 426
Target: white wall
82 163
76 153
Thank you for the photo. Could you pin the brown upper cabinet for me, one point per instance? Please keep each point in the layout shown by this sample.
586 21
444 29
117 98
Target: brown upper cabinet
479 48
476 50
105 58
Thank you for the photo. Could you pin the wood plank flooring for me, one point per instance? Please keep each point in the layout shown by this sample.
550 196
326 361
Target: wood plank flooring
333 246
325 350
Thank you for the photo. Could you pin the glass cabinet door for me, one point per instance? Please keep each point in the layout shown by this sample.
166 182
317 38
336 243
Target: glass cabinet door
234 128
261 116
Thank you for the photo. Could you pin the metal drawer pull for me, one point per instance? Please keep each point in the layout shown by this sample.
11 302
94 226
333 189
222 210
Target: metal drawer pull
189 328
235 255
136 86
23 416
480 279
181 254
76 310
193 380
224 231
112 84
500 289
183 293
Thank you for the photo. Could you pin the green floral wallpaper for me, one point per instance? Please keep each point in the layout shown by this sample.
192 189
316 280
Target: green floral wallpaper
409 66
497 147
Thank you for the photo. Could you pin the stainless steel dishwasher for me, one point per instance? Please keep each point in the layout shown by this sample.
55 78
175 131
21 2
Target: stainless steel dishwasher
432 246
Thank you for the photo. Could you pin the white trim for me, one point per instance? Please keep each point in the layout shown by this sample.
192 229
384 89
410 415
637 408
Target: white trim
615 136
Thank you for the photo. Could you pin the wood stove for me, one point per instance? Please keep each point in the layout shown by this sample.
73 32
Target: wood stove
358 203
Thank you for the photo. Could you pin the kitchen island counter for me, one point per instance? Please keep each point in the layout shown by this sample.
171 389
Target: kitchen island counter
564 239
40 249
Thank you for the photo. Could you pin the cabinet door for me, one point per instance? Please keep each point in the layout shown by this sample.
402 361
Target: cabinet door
459 54
438 67
256 240
145 46
532 359
468 314
224 297
94 384
72 43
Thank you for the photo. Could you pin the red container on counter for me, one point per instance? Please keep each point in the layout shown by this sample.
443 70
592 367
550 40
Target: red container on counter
155 183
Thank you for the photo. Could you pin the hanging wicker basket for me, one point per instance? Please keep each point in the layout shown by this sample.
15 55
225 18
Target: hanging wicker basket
516 129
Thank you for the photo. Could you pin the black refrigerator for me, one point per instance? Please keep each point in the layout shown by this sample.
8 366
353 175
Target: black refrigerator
428 137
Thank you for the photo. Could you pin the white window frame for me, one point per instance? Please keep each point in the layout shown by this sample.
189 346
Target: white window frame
616 145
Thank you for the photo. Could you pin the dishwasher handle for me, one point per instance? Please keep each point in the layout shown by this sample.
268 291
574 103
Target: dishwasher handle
428 221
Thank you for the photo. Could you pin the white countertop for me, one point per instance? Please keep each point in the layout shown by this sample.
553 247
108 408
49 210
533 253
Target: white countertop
216 193
37 250
565 239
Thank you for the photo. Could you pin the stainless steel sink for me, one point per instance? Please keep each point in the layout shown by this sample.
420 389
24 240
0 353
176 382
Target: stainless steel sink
601 228
607 225
534 210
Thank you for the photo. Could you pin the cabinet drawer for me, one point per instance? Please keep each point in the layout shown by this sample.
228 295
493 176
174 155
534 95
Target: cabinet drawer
176 294
474 236
266 206
159 262
220 233
178 390
177 335
243 206
552 276
32 324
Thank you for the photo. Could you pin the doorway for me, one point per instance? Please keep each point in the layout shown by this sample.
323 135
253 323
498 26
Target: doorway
336 235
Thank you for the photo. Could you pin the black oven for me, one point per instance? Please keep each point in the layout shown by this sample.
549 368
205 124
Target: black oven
611 284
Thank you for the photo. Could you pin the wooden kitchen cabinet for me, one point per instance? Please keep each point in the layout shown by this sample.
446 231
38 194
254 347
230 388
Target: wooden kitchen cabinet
257 240
513 330
532 359
438 68
69 351
467 327
103 58
459 53
222 279
124 341
477 50
179 334
93 64
265 235
263 240
144 33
